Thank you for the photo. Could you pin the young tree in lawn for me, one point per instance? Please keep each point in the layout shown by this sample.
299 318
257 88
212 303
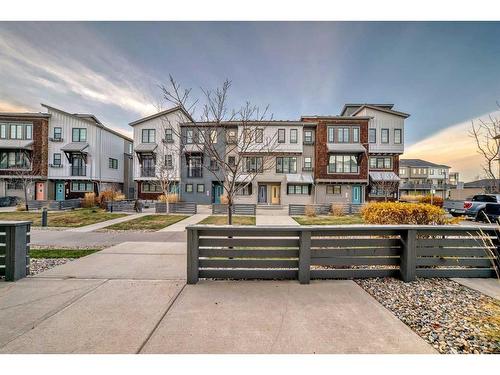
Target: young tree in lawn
486 134
387 187
248 151
27 173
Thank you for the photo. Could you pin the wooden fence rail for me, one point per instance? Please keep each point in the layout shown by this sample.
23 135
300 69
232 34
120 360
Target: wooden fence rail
14 249
338 252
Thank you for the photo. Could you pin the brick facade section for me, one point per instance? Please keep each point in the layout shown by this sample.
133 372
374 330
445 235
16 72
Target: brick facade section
321 149
40 152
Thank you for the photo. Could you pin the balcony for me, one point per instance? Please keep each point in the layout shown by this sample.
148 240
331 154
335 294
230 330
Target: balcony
195 172
413 186
147 172
78 171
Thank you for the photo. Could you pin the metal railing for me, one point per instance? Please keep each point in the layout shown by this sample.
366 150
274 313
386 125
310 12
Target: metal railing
78 171
147 172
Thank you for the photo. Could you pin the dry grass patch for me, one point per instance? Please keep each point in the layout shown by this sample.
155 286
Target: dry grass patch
329 220
148 222
222 220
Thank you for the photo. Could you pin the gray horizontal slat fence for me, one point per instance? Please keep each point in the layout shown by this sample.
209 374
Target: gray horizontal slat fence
237 209
55 205
14 250
188 208
128 205
339 252
323 209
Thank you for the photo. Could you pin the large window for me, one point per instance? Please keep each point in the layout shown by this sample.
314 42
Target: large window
194 165
16 130
343 164
148 135
78 186
384 138
254 164
113 163
281 136
298 189
79 135
14 185
383 162
331 133
308 136
286 164
333 189
398 136
169 137
342 135
189 136
14 159
372 135
293 136
148 187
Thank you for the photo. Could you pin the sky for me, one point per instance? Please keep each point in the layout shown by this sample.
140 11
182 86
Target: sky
442 73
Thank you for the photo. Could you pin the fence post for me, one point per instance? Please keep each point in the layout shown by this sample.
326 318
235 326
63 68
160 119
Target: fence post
304 257
15 252
408 266
192 256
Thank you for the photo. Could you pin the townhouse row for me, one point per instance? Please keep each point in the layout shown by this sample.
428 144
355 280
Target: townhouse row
65 155
344 158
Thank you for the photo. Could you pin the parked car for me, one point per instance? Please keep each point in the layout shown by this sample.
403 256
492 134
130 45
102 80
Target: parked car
9 201
475 207
492 212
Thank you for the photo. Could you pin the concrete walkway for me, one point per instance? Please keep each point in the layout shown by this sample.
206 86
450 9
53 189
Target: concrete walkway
180 226
104 224
132 298
490 287
274 220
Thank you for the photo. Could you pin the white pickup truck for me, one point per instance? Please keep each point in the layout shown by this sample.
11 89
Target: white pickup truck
473 207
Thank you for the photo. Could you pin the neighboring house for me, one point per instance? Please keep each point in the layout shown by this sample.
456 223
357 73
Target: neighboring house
420 177
156 146
23 138
85 156
468 189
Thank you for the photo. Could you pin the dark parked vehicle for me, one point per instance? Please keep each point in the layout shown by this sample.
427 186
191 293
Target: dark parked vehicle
9 201
491 213
476 207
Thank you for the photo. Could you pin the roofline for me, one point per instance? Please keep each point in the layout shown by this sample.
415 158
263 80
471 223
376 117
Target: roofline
235 123
347 105
391 111
429 164
98 123
24 114
162 113
335 117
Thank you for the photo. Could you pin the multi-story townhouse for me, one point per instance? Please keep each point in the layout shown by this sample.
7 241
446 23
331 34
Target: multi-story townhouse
386 144
157 147
85 156
23 151
420 177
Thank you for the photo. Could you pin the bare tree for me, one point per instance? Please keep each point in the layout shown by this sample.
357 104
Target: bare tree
486 134
248 150
387 187
27 173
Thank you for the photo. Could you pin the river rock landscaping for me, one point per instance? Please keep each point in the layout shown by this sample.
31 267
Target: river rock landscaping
39 265
449 316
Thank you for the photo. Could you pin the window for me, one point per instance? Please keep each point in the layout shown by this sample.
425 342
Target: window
29 131
293 136
372 135
259 135
373 163
281 136
194 165
431 171
232 136
231 160
333 189
189 136
214 166
243 189
414 171
200 188
82 186
343 164
380 162
151 188
56 159
79 135
169 138
331 132
343 135
384 138
14 159
189 188
14 185
308 136
298 189
3 131
148 135
402 171
388 163
169 163
113 163
57 133
254 164
355 135
213 136
286 164
130 146
16 131
398 139
307 164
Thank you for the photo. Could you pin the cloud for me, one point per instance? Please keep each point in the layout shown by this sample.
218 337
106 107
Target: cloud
452 146
6 106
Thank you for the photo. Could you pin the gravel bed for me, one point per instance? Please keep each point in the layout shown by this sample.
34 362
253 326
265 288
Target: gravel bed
449 316
44 264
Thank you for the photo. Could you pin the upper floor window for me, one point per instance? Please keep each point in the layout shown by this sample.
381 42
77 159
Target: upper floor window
214 164
307 164
259 135
343 164
3 131
169 137
308 136
231 160
331 132
57 133
113 163
343 135
286 165
293 136
79 135
14 159
56 159
384 138
169 162
372 135
380 162
16 131
213 136
281 136
355 135
148 135
402 171
254 164
398 136
232 136
431 171
189 136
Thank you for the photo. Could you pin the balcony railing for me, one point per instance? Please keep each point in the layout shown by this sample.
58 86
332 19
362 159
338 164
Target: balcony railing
413 186
78 171
147 172
195 172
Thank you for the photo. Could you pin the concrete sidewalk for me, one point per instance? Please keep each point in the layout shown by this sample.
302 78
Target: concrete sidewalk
104 224
274 220
180 226
490 287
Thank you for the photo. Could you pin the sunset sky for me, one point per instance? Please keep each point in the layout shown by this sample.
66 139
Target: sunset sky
444 73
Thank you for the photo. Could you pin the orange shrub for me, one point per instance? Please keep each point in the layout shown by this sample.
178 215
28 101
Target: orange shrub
170 198
89 200
109 195
403 213
337 209
309 211
436 201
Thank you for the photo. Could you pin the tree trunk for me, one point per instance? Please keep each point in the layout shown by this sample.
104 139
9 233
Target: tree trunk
26 197
230 211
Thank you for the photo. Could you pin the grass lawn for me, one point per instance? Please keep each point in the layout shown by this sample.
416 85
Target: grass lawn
222 220
329 220
60 253
71 218
148 222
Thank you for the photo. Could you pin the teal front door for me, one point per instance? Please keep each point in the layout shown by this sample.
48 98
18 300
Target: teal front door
356 194
216 193
59 191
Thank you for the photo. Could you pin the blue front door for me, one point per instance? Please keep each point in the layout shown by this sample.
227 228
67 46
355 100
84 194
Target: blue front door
59 191
356 194
216 193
